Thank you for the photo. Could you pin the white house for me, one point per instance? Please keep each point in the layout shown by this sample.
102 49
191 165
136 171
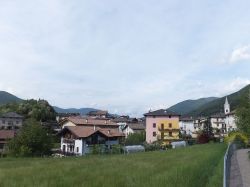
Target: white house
187 125
132 128
88 122
78 140
223 123
218 125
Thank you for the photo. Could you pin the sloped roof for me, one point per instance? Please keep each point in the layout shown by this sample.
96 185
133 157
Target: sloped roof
84 132
219 115
11 115
161 112
186 119
7 134
136 126
90 121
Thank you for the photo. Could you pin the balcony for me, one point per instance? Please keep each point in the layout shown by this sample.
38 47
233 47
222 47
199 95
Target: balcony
168 129
68 141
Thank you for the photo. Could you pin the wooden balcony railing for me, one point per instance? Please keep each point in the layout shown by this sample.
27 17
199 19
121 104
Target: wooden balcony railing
68 141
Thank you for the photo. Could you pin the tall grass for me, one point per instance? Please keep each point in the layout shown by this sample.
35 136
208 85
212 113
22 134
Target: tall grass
199 165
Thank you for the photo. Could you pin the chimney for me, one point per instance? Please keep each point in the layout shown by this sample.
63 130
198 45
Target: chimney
86 120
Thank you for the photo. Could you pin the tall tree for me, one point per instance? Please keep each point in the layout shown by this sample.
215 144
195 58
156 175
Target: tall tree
243 115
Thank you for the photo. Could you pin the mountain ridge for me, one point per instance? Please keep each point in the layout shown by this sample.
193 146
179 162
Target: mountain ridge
6 97
186 106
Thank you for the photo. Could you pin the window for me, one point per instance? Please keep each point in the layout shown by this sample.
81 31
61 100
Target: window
162 126
170 125
154 125
3 121
154 134
17 122
77 149
170 116
170 134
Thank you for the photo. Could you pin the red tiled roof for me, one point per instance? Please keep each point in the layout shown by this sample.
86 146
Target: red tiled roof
90 121
7 134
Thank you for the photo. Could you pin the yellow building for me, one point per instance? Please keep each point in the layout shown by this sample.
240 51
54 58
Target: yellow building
162 125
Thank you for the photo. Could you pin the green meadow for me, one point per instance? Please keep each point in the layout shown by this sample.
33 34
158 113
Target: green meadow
199 165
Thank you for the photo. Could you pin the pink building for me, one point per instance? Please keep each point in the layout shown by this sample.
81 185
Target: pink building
162 125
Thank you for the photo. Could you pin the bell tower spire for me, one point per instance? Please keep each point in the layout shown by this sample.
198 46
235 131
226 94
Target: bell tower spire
226 106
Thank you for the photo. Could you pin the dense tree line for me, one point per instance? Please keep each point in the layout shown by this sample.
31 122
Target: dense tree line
243 115
33 139
40 110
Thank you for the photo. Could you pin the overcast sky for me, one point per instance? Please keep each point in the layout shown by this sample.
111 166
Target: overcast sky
123 56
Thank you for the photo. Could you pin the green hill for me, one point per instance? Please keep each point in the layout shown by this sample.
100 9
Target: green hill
187 106
6 97
217 105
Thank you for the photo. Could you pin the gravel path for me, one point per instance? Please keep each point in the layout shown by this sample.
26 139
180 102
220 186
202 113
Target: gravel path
244 166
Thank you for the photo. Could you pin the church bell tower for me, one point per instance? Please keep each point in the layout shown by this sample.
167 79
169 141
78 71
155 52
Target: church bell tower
226 107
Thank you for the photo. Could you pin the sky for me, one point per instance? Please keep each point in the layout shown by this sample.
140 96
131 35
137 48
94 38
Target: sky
123 56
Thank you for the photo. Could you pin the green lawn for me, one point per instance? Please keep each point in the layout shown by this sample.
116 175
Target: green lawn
199 165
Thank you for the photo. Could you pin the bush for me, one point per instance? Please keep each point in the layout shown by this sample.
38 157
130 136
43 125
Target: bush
135 139
237 137
32 140
203 138
153 147
116 149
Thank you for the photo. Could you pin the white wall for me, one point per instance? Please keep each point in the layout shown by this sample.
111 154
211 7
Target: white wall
78 144
187 126
127 131
230 123
121 125
68 123
214 122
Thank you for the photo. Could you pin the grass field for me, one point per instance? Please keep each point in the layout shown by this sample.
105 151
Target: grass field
200 165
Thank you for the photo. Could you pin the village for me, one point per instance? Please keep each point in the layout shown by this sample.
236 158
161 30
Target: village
78 134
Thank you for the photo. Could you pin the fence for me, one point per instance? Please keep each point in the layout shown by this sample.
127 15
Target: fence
232 147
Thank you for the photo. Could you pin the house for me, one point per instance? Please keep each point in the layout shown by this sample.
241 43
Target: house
230 121
187 126
223 123
217 122
98 114
220 124
11 121
123 121
132 128
5 135
88 122
62 116
162 125
78 140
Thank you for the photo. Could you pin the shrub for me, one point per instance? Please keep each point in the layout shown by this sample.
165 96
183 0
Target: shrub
135 139
32 140
237 137
153 147
203 138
